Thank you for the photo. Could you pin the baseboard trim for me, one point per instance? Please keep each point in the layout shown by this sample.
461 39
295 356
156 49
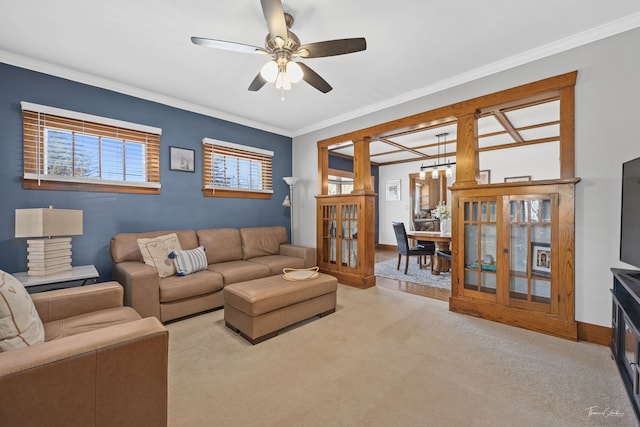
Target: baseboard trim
595 334
386 247
588 332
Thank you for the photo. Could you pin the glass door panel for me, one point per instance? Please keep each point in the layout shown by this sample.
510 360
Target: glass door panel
519 250
488 282
519 287
480 246
541 291
470 252
329 233
530 250
349 235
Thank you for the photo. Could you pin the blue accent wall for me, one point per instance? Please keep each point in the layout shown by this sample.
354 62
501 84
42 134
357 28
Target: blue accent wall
180 205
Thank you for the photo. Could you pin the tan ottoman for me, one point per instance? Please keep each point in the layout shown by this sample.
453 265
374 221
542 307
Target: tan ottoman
259 308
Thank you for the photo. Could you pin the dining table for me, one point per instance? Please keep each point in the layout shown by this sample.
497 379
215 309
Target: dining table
442 242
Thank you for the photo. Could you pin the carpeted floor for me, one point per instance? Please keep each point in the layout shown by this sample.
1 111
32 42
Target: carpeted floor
388 358
388 269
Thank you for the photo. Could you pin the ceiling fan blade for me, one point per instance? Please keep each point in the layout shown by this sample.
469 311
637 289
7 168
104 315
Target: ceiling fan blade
314 79
233 46
332 48
257 83
274 15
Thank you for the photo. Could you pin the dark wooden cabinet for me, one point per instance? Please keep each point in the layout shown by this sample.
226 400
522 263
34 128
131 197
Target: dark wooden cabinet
625 331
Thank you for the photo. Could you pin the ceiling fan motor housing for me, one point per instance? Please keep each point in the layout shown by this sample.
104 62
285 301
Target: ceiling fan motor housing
274 44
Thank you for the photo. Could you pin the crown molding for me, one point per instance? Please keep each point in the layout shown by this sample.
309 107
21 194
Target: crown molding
589 36
77 76
597 33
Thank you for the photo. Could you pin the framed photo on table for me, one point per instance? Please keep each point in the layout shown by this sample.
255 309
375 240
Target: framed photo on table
541 258
393 190
523 178
484 177
182 159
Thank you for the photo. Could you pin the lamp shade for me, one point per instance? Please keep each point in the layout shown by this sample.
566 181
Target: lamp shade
290 180
48 222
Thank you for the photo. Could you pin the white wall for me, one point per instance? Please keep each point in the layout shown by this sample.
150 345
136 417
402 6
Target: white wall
397 210
607 94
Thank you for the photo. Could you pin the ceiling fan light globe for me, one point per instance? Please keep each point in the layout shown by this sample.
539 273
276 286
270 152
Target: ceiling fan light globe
269 71
283 81
294 72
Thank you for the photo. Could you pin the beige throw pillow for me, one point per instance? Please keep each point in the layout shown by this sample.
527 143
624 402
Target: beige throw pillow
155 252
20 325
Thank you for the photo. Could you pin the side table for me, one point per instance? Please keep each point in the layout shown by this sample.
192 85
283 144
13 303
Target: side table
78 276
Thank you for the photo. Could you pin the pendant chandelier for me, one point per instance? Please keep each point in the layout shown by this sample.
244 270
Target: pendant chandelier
446 165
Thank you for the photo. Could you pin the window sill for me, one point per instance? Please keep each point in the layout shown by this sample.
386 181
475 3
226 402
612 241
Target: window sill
33 184
217 192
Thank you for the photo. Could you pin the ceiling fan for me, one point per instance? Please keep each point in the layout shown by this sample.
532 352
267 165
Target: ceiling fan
283 46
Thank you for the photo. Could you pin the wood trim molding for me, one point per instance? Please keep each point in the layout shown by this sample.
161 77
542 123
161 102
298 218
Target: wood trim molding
595 334
470 106
382 246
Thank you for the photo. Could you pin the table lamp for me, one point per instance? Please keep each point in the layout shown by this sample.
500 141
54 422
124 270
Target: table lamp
50 253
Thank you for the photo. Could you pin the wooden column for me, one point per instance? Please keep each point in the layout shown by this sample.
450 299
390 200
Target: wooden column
567 132
323 170
362 167
467 160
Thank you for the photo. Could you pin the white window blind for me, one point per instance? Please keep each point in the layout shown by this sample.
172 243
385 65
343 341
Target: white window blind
69 148
237 168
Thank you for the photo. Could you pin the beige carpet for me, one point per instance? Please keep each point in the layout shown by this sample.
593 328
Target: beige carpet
388 358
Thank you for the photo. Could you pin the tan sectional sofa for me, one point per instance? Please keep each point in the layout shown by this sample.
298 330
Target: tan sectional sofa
233 255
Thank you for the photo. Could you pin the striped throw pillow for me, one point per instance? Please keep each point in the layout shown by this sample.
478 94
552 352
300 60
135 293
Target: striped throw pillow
189 261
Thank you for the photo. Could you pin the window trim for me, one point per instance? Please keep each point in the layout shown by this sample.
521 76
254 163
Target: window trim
211 190
42 181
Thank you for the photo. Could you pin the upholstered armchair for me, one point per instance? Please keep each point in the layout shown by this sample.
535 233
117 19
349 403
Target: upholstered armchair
100 362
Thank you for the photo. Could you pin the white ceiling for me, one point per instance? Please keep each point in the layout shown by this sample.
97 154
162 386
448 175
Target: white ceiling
414 47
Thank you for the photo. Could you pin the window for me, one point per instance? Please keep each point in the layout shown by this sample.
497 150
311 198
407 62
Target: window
340 185
67 150
233 170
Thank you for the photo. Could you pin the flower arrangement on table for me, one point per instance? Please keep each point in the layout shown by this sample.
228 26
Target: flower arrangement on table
442 211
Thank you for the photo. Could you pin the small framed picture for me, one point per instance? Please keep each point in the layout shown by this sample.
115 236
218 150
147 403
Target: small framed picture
393 190
523 178
541 258
484 177
182 159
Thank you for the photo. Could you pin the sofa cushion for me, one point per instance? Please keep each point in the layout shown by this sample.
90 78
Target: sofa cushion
189 261
175 288
261 241
239 271
155 253
221 244
89 322
124 246
277 263
20 325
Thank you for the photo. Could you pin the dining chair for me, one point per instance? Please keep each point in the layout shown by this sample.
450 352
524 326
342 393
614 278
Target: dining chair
403 247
